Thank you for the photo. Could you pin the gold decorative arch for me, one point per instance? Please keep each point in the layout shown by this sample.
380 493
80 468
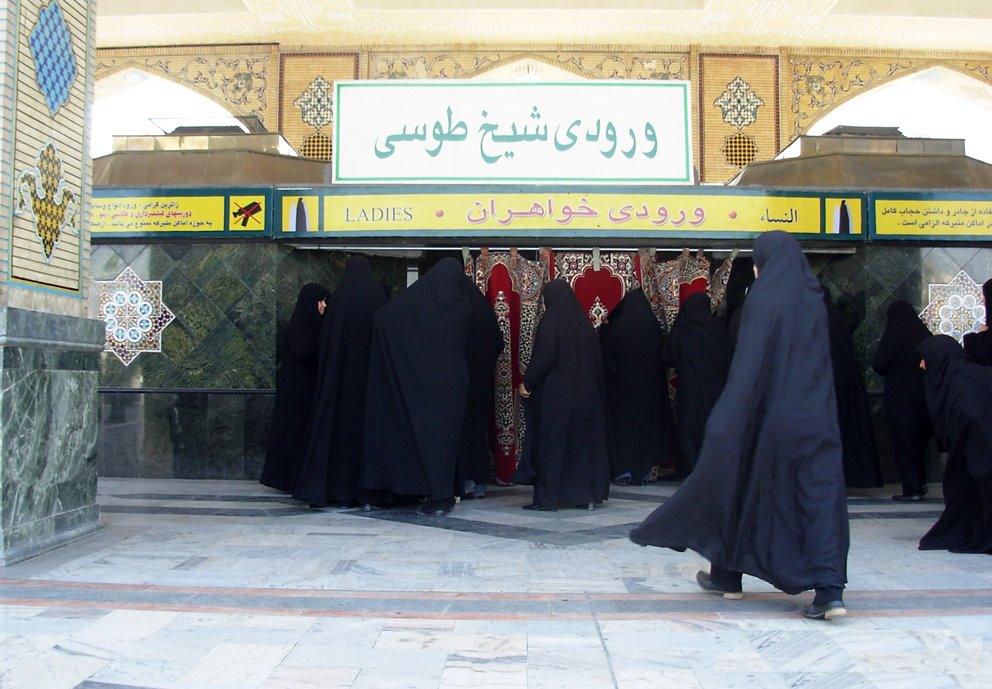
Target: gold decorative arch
240 79
543 64
588 64
817 84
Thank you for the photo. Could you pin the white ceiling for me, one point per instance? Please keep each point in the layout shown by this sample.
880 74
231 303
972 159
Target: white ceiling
956 25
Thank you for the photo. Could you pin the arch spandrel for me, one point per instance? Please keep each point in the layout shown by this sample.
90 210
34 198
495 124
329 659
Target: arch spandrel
820 84
240 82
626 64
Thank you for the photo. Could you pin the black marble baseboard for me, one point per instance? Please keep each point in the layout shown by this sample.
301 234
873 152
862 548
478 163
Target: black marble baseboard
190 434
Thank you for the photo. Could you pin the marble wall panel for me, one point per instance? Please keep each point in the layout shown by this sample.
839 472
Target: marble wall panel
201 407
195 435
48 432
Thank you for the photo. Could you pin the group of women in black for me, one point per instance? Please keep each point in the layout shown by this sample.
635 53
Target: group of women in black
937 387
376 398
767 443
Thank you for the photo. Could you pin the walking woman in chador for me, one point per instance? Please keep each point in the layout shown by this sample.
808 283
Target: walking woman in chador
767 496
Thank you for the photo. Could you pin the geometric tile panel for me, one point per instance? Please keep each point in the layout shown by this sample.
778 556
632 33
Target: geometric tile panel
955 308
54 61
739 150
739 104
316 103
134 315
738 118
306 96
52 204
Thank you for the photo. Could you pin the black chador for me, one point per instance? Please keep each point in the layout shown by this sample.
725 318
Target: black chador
740 281
861 465
898 360
978 346
959 398
699 350
565 456
767 496
418 388
333 451
486 344
296 380
638 413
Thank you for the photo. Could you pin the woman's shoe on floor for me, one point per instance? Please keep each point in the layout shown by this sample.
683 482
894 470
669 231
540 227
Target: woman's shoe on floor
827 611
706 584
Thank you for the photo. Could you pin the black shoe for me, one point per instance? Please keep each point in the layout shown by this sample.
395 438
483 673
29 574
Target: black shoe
538 508
827 611
909 497
706 584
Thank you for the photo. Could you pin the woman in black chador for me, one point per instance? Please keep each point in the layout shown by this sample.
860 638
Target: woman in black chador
898 360
767 496
483 352
740 281
333 450
959 397
638 414
418 389
296 380
699 350
978 346
862 468
565 456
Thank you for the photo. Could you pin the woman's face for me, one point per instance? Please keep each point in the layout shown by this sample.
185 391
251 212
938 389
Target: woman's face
322 306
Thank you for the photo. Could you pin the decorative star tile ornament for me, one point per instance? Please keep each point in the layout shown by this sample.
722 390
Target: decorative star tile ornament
316 104
956 308
134 315
739 104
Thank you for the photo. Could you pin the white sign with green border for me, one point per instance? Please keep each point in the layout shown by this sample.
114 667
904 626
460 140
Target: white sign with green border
465 131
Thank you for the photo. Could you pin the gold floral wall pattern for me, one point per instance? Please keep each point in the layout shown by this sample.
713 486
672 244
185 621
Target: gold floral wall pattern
737 113
240 78
821 83
306 99
589 65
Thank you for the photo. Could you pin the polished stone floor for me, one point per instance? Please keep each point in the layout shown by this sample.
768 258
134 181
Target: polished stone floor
227 584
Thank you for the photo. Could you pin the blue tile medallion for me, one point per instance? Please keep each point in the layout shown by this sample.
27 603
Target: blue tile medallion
54 60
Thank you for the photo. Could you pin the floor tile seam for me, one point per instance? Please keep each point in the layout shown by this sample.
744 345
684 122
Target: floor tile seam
536 606
853 613
296 592
591 615
606 650
177 506
462 596
356 613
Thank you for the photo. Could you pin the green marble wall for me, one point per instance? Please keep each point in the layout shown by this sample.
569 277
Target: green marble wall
201 407
865 283
48 430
